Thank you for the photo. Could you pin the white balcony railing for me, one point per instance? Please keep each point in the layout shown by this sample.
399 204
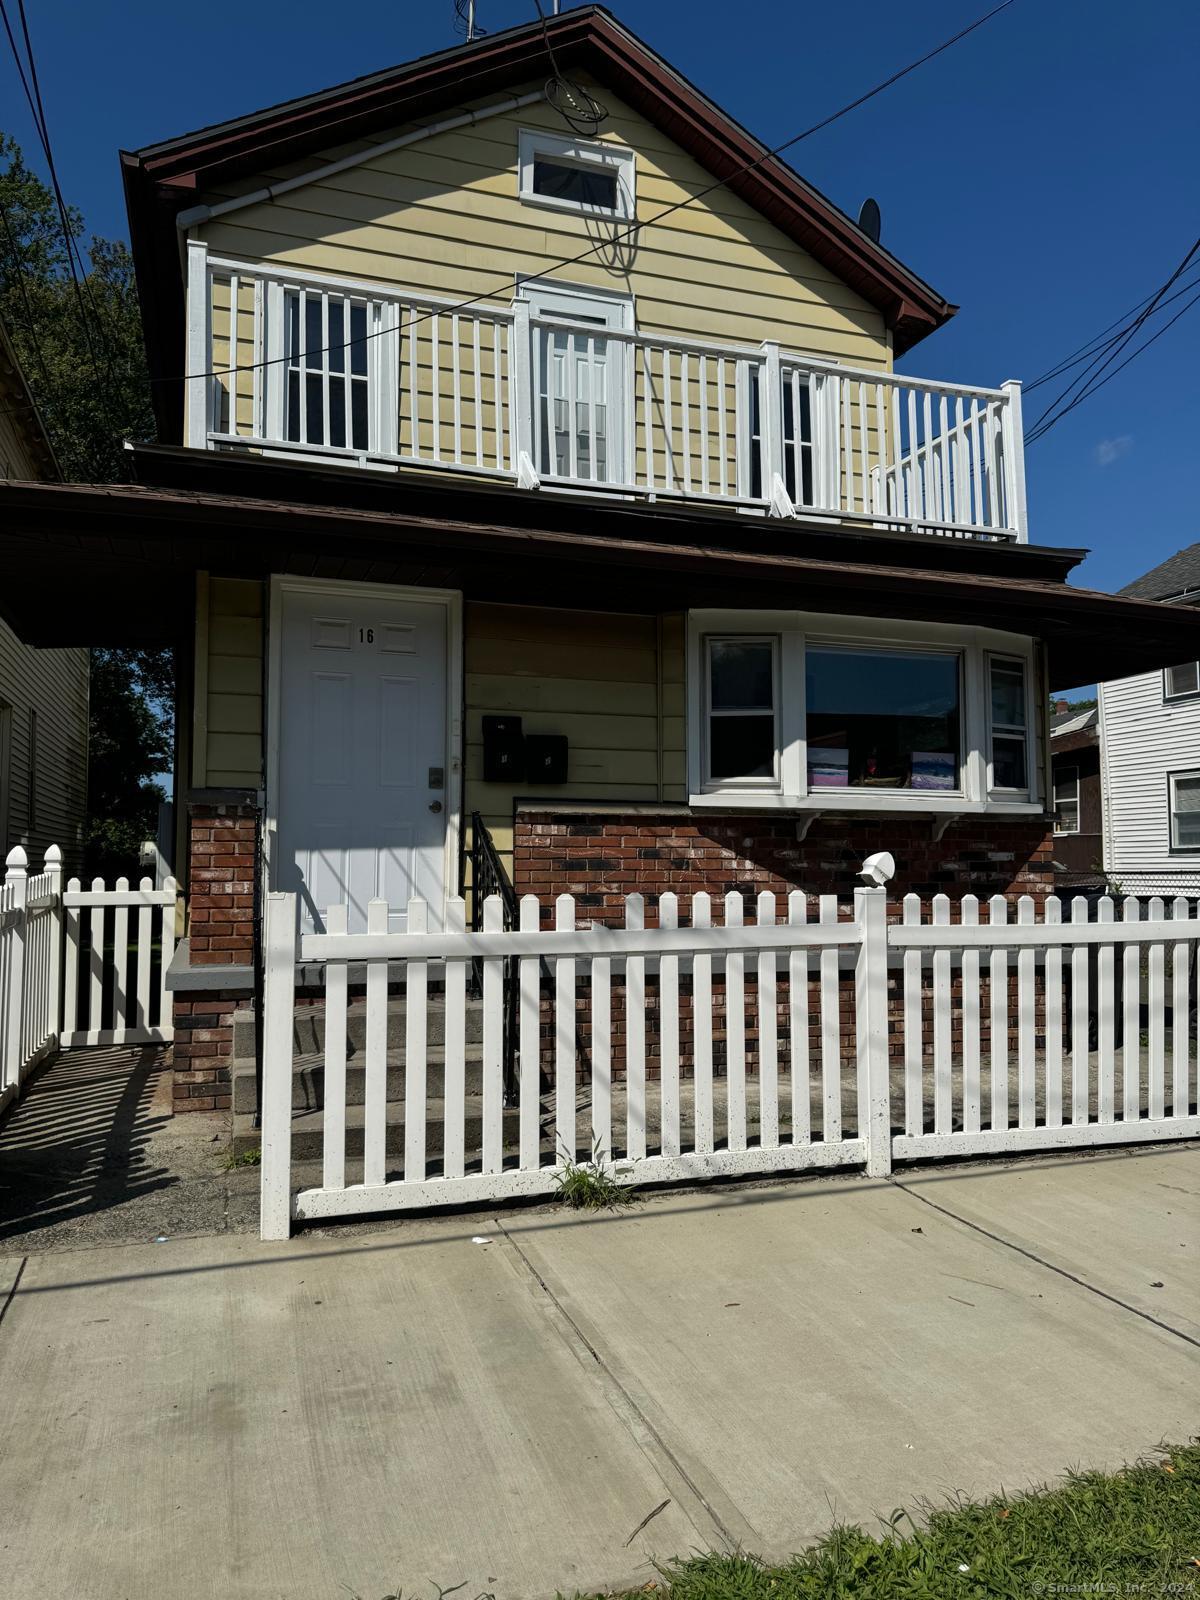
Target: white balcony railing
287 361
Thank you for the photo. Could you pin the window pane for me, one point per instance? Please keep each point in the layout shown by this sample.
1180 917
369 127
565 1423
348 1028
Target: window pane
1184 679
336 356
293 325
337 411
742 747
358 335
1068 817
1008 694
585 186
882 719
314 409
1009 769
1185 819
292 431
312 332
742 676
358 414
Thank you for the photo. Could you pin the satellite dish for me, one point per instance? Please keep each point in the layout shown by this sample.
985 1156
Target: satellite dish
868 218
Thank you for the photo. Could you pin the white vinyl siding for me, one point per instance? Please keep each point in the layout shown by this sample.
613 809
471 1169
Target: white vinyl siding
1144 739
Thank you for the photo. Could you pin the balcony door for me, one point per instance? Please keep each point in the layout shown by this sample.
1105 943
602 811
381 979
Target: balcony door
581 384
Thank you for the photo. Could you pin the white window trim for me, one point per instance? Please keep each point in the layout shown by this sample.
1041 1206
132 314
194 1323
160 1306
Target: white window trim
1021 659
754 785
1061 832
1172 779
793 629
533 143
1170 698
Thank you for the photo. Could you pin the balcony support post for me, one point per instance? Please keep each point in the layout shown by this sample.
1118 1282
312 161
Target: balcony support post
1013 435
521 396
770 406
198 349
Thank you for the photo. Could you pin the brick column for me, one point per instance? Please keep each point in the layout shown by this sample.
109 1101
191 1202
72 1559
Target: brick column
221 863
222 859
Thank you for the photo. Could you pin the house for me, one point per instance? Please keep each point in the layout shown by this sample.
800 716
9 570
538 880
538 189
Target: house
43 692
1150 755
537 506
1077 803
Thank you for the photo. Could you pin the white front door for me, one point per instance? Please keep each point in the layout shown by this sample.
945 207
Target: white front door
581 379
362 796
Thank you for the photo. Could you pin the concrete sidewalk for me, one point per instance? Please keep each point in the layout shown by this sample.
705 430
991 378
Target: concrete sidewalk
411 1407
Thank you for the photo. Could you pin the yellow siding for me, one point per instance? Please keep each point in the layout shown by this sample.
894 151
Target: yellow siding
592 676
442 217
229 756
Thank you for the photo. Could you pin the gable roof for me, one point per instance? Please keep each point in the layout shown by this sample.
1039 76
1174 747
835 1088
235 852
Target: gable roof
1172 579
164 179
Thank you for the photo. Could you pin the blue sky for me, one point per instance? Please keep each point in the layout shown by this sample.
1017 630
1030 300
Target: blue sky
1042 174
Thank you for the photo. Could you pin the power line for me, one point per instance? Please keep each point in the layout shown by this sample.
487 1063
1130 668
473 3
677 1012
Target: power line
1132 356
23 290
635 227
1103 359
33 96
1098 341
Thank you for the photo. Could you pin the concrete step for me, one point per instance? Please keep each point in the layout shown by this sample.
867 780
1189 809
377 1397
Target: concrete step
308 1079
308 1131
309 1026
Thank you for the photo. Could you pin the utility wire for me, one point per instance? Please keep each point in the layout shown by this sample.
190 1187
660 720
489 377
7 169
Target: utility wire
1099 342
1091 390
33 96
1056 410
635 227
23 289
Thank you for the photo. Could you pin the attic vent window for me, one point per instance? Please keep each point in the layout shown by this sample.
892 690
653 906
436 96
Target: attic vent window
582 186
581 175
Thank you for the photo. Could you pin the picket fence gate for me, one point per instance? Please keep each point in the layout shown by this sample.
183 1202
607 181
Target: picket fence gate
77 966
725 1048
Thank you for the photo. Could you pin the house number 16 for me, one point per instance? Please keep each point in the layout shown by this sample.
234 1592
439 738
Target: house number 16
366 636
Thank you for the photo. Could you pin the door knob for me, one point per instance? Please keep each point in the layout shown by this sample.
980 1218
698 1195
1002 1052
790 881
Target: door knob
435 805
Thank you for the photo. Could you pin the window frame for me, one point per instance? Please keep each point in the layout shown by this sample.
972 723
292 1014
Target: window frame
1059 774
534 144
1006 730
1172 778
1185 694
753 784
797 630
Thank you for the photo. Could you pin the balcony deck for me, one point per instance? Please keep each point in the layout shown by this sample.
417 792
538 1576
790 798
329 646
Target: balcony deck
291 363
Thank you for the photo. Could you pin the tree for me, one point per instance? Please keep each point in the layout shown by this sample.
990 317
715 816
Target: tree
130 739
80 346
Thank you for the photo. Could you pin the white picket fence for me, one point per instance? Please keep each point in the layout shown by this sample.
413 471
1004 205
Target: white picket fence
76 968
680 1052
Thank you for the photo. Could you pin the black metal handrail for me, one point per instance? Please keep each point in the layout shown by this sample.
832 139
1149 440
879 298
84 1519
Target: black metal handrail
489 877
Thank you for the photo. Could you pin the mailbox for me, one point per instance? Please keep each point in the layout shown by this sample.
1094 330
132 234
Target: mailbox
503 750
546 758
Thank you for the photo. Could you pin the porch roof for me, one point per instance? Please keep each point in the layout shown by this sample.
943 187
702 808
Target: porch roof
114 563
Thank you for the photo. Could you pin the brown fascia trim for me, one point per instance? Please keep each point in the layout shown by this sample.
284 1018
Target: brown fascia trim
303 484
163 179
79 503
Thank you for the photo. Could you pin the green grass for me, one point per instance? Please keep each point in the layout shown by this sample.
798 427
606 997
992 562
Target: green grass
1134 1532
244 1158
593 1185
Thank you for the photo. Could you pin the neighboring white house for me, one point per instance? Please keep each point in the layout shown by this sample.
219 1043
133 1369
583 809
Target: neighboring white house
1150 757
43 693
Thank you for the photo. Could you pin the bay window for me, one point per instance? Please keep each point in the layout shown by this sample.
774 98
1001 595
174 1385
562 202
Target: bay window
1010 724
743 739
882 719
787 709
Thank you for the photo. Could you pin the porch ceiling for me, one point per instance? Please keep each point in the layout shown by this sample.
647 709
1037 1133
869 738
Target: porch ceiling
93 564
